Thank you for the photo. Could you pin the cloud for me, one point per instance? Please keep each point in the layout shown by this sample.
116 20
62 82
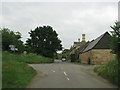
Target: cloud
60 0
69 20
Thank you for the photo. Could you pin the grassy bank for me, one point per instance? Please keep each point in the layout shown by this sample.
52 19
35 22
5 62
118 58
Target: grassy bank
33 58
109 71
30 58
16 73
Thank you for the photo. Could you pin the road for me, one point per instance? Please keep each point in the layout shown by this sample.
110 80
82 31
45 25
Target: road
66 75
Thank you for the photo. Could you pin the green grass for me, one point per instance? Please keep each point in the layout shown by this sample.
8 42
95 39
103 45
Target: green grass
31 58
15 72
109 71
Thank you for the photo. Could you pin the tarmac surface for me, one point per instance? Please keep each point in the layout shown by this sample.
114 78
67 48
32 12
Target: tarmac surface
67 75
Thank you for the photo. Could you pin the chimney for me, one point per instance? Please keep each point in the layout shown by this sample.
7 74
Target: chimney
78 39
83 37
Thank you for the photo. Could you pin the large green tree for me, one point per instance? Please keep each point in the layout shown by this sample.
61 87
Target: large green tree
11 38
44 40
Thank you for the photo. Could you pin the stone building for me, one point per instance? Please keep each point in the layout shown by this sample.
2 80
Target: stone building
77 46
97 51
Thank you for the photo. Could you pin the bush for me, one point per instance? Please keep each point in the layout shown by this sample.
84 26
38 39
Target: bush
74 58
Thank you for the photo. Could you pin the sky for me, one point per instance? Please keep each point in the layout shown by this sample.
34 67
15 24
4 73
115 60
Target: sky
70 19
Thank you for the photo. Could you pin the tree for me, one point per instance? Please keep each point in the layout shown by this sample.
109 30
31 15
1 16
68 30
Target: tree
115 45
115 38
65 53
11 38
44 40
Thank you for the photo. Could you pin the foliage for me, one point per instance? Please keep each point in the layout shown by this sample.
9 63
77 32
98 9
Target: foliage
44 40
65 51
115 38
11 38
15 74
115 44
73 57
109 71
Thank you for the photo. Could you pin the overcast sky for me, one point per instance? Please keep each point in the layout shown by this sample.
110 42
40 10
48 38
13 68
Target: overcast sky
68 19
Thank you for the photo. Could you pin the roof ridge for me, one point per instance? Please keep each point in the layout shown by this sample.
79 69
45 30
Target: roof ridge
94 42
101 35
100 38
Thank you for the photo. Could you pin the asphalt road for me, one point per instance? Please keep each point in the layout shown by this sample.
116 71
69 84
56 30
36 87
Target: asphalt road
66 75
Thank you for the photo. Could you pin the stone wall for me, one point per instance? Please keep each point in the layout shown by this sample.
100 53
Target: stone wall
97 56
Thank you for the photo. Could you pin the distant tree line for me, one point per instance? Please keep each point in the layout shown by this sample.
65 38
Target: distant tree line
43 41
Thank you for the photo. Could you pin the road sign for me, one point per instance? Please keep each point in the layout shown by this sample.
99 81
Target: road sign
11 46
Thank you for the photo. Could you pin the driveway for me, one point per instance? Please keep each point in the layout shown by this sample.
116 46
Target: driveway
66 75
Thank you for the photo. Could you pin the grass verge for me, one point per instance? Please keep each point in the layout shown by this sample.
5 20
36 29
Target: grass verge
32 58
109 71
15 72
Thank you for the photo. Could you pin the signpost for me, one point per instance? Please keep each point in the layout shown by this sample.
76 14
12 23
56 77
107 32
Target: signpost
13 48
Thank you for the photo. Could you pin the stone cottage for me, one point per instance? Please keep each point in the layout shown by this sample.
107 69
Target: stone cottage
97 51
77 46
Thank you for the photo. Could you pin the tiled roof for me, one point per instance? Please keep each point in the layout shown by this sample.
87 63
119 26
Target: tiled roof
94 42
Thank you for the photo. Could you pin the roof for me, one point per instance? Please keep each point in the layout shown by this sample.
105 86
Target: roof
82 48
93 43
78 47
77 43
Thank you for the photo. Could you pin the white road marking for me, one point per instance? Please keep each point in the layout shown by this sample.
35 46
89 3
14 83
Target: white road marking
68 78
65 73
